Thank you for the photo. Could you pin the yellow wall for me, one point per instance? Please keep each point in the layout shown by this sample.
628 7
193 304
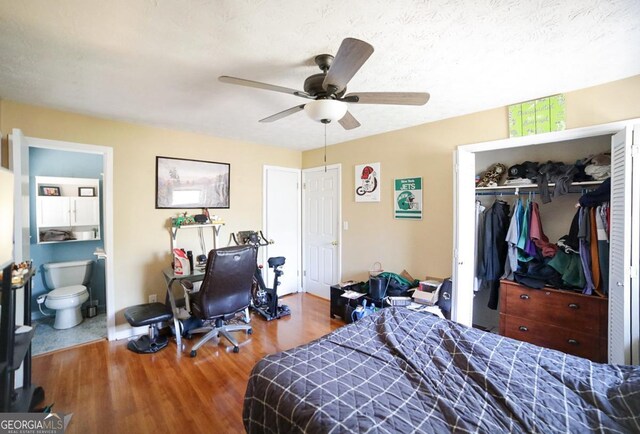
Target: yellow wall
141 237
422 247
425 247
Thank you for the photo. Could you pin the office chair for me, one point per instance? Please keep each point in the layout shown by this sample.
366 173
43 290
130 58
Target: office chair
224 291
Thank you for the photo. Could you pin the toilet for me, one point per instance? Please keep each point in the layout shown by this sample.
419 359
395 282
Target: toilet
67 284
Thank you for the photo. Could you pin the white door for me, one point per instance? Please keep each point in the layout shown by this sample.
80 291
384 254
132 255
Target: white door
321 229
282 225
20 167
464 231
623 281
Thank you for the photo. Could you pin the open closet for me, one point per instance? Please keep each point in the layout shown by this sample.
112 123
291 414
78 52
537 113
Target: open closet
602 325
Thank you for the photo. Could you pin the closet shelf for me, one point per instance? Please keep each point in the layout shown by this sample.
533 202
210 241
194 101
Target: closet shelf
551 184
517 188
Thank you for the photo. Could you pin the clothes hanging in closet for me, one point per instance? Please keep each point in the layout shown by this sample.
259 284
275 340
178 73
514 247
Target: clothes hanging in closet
513 234
496 220
479 239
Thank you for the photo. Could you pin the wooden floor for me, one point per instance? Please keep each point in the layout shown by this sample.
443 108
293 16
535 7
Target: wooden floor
112 390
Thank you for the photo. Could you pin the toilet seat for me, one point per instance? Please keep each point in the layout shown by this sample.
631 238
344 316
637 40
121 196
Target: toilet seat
66 292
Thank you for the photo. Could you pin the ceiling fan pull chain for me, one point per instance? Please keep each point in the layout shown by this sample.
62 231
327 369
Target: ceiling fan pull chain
325 148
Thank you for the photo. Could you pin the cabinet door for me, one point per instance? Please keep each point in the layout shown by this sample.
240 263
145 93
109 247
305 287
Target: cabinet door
85 211
53 211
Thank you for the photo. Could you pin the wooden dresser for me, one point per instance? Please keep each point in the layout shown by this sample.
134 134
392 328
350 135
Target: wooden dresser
563 320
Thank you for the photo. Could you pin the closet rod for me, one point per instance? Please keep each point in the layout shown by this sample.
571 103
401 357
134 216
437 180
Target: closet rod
517 192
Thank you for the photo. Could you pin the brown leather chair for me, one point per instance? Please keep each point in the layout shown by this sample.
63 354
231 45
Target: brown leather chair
224 291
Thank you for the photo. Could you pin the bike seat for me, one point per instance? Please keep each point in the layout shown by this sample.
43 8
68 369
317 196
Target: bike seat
276 261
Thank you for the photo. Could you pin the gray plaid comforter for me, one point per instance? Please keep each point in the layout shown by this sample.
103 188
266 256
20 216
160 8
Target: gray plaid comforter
400 371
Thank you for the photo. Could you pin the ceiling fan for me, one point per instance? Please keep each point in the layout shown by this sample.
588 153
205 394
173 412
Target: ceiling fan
327 90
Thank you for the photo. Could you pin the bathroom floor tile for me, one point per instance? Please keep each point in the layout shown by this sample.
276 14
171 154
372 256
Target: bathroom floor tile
48 339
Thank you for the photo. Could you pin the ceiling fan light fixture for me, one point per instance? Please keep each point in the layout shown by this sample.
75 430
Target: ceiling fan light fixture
325 110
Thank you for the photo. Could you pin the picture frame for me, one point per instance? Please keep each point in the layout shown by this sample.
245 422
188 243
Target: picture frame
183 183
367 182
49 190
86 191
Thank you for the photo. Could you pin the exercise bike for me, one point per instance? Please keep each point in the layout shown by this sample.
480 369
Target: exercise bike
264 300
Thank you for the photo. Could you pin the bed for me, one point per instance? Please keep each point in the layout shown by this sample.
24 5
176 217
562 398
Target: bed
404 371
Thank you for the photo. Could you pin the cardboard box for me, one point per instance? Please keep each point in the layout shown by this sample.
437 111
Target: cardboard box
557 113
543 124
528 118
515 120
427 292
424 297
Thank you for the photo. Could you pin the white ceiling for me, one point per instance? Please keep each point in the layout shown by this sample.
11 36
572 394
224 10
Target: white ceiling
157 61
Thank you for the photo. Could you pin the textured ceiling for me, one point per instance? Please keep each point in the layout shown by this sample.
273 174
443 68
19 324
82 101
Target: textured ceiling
157 61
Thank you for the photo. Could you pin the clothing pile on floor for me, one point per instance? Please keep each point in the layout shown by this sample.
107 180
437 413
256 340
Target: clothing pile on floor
511 244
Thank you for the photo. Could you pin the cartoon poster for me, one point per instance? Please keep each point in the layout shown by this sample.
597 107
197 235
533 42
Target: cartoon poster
407 195
367 182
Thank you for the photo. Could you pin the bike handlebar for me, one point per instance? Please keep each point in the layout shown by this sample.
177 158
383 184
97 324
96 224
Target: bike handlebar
254 238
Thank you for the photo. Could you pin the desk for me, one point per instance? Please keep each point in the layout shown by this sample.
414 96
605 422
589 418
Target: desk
170 277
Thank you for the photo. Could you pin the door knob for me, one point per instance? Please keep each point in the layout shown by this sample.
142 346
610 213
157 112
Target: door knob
334 243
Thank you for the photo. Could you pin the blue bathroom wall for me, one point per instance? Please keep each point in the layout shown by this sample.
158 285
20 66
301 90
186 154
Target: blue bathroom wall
50 162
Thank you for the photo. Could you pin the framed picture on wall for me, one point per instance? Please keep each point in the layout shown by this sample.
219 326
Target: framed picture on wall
183 184
86 191
49 190
367 182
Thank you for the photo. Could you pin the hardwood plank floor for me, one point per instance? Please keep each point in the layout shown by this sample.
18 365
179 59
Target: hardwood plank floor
110 389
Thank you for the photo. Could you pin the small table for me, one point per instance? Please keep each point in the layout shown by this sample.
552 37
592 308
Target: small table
170 277
342 306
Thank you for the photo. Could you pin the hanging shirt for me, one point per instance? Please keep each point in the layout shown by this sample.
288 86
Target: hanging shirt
524 235
511 263
585 257
537 236
593 249
603 247
477 281
495 248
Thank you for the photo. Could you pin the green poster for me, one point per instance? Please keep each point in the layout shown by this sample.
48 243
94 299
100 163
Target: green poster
407 194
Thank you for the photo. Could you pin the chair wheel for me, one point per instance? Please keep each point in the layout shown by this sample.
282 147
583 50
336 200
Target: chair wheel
193 353
188 336
250 331
236 349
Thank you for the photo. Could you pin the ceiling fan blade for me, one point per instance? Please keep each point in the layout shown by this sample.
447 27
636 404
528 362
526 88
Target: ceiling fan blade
265 86
348 122
350 57
283 114
398 98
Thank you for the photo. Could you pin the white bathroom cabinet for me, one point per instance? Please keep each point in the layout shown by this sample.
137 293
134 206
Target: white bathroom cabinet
67 211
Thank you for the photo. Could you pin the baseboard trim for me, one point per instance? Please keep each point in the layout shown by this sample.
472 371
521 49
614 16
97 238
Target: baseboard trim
125 331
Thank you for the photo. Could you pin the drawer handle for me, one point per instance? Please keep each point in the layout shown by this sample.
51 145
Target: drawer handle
574 306
572 341
524 296
523 329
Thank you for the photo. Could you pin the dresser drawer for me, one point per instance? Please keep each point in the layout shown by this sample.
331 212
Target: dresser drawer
560 308
587 345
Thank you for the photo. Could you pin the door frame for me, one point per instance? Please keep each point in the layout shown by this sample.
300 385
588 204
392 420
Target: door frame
107 204
264 253
337 166
464 185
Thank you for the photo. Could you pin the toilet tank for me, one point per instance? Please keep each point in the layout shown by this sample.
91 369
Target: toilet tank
59 274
